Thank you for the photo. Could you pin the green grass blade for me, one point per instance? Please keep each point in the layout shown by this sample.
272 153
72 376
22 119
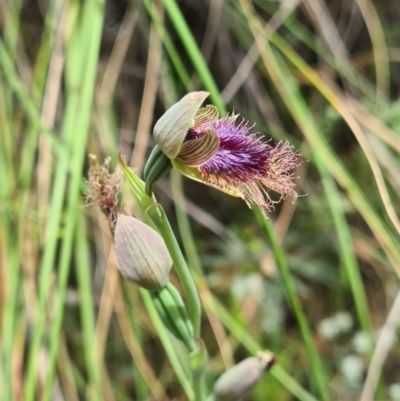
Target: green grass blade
169 45
89 41
86 304
76 119
193 51
346 251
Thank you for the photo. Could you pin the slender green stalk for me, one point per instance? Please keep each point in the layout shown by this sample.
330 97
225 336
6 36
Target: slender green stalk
193 51
155 216
189 246
184 223
347 255
86 305
131 298
167 345
24 98
169 46
199 387
181 268
9 246
10 311
81 80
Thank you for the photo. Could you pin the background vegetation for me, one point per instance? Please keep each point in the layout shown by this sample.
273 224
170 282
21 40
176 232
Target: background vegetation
317 284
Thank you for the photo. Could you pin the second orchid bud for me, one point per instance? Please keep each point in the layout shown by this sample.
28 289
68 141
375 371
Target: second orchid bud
241 378
141 254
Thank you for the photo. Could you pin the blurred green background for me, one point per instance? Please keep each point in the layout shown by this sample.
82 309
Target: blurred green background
316 284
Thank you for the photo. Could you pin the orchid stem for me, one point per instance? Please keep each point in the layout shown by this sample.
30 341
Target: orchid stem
199 388
185 276
188 284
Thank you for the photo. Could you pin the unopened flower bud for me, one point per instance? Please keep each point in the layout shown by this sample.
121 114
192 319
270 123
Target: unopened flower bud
141 254
238 380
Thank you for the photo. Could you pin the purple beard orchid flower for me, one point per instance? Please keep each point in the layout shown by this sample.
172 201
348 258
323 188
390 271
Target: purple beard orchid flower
222 153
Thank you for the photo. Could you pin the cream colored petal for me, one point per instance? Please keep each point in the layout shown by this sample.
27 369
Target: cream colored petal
171 129
197 151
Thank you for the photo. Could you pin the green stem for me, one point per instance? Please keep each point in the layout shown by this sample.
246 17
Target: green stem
86 303
185 276
167 345
346 251
199 388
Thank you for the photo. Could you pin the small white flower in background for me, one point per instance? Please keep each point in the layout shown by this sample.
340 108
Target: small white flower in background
249 284
333 326
328 329
352 368
362 342
344 321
